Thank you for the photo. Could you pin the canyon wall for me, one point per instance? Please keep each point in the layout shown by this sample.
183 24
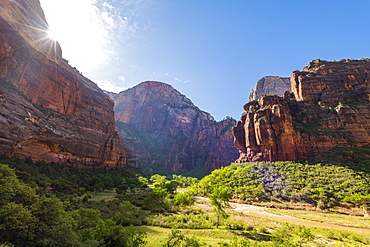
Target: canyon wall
165 132
329 106
49 111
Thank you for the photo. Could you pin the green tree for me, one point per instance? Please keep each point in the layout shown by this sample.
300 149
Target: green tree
323 196
135 237
156 178
59 234
157 199
17 224
220 200
186 181
143 182
183 199
122 189
360 201
129 214
101 182
171 186
48 210
119 236
13 190
88 224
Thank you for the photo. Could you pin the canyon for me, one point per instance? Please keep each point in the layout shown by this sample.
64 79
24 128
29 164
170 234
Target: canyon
50 111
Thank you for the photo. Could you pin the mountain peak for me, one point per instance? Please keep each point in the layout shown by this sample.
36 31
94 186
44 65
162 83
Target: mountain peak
165 130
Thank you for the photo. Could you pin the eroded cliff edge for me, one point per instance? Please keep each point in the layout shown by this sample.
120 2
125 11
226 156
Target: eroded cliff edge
48 110
329 106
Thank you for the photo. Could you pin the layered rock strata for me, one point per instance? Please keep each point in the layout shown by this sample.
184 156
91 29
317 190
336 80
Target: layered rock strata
49 111
329 106
165 132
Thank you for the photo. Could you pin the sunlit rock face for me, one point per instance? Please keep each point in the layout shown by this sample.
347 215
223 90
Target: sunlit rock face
48 110
270 85
329 106
165 132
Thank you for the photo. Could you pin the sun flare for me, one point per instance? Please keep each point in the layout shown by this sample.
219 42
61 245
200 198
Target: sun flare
77 27
53 35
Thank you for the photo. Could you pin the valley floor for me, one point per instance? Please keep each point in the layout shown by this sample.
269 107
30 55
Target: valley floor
330 229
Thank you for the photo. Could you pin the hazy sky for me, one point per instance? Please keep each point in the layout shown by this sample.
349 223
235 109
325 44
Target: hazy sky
213 51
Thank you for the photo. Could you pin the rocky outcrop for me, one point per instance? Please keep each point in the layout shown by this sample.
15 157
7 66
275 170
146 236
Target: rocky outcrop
48 109
346 81
329 107
265 124
270 85
165 132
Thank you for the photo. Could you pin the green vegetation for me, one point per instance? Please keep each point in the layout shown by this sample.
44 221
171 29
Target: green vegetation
320 185
59 205
220 200
359 200
28 219
356 158
66 181
183 199
178 239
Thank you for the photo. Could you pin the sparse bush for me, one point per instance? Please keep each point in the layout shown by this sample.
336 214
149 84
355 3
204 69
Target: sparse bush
195 220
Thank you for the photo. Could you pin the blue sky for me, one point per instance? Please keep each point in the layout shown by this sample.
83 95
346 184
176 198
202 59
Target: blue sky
212 51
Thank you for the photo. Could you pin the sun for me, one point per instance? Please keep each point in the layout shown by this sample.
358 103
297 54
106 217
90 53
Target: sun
53 34
77 27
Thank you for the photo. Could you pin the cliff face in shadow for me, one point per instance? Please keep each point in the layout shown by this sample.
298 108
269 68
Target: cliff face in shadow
329 107
48 109
165 132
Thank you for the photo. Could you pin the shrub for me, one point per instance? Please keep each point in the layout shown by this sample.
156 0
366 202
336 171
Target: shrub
183 199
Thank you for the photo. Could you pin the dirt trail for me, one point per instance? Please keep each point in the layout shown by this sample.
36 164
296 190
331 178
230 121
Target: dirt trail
257 211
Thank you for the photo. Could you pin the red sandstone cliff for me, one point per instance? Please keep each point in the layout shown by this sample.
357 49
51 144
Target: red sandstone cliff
329 106
165 132
48 109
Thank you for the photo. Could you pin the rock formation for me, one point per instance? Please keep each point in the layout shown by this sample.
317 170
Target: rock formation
165 132
270 85
329 106
48 109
